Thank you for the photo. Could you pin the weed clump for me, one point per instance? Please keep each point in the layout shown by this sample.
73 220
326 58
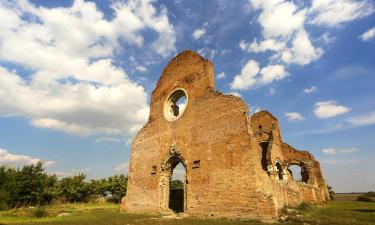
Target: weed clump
39 212
303 206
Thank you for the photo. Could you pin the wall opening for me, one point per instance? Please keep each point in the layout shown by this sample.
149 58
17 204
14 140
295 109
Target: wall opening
175 104
177 188
299 173
264 146
280 171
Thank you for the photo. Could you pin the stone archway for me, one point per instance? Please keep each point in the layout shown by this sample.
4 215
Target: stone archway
172 159
304 170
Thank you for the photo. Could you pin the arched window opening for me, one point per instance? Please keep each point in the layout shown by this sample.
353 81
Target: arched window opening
299 174
280 171
177 187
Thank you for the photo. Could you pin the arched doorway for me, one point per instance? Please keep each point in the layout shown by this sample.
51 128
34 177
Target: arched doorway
177 186
173 183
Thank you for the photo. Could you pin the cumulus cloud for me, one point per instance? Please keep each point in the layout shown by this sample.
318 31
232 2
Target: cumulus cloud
272 72
368 35
332 151
78 108
284 35
294 116
265 45
141 69
235 93
363 120
252 75
334 13
73 85
279 18
221 75
247 77
302 51
198 33
283 28
310 90
6 158
329 109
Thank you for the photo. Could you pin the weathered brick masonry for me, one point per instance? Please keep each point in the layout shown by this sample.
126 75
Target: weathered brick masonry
236 165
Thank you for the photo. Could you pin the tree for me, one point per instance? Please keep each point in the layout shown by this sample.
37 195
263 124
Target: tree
331 192
176 185
112 188
29 185
74 189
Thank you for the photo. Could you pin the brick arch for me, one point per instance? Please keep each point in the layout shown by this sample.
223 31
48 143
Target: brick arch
305 168
171 160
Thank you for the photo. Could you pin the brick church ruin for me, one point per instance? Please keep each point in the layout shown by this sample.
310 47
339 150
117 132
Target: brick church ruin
236 165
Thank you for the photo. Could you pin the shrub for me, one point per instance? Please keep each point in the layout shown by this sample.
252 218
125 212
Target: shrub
371 194
364 198
303 206
331 193
39 212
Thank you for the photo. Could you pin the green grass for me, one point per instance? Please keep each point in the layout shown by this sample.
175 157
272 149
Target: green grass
334 213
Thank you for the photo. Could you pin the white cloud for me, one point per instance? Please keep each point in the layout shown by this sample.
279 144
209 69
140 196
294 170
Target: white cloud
272 72
207 53
122 168
326 38
246 78
363 120
332 151
310 90
284 34
7 158
334 13
141 69
243 45
265 45
198 33
302 51
294 116
329 109
74 86
221 75
235 93
368 35
82 108
279 18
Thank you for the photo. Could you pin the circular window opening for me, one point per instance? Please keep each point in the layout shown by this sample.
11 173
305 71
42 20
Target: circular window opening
175 105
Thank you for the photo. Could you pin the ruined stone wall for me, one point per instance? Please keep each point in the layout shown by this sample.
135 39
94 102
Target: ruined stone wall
216 141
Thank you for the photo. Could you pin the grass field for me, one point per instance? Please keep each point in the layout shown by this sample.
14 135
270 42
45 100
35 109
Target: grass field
334 213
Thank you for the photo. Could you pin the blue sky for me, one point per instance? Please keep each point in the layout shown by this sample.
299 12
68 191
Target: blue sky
76 76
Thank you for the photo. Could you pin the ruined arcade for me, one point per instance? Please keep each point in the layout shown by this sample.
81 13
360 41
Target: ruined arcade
237 166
